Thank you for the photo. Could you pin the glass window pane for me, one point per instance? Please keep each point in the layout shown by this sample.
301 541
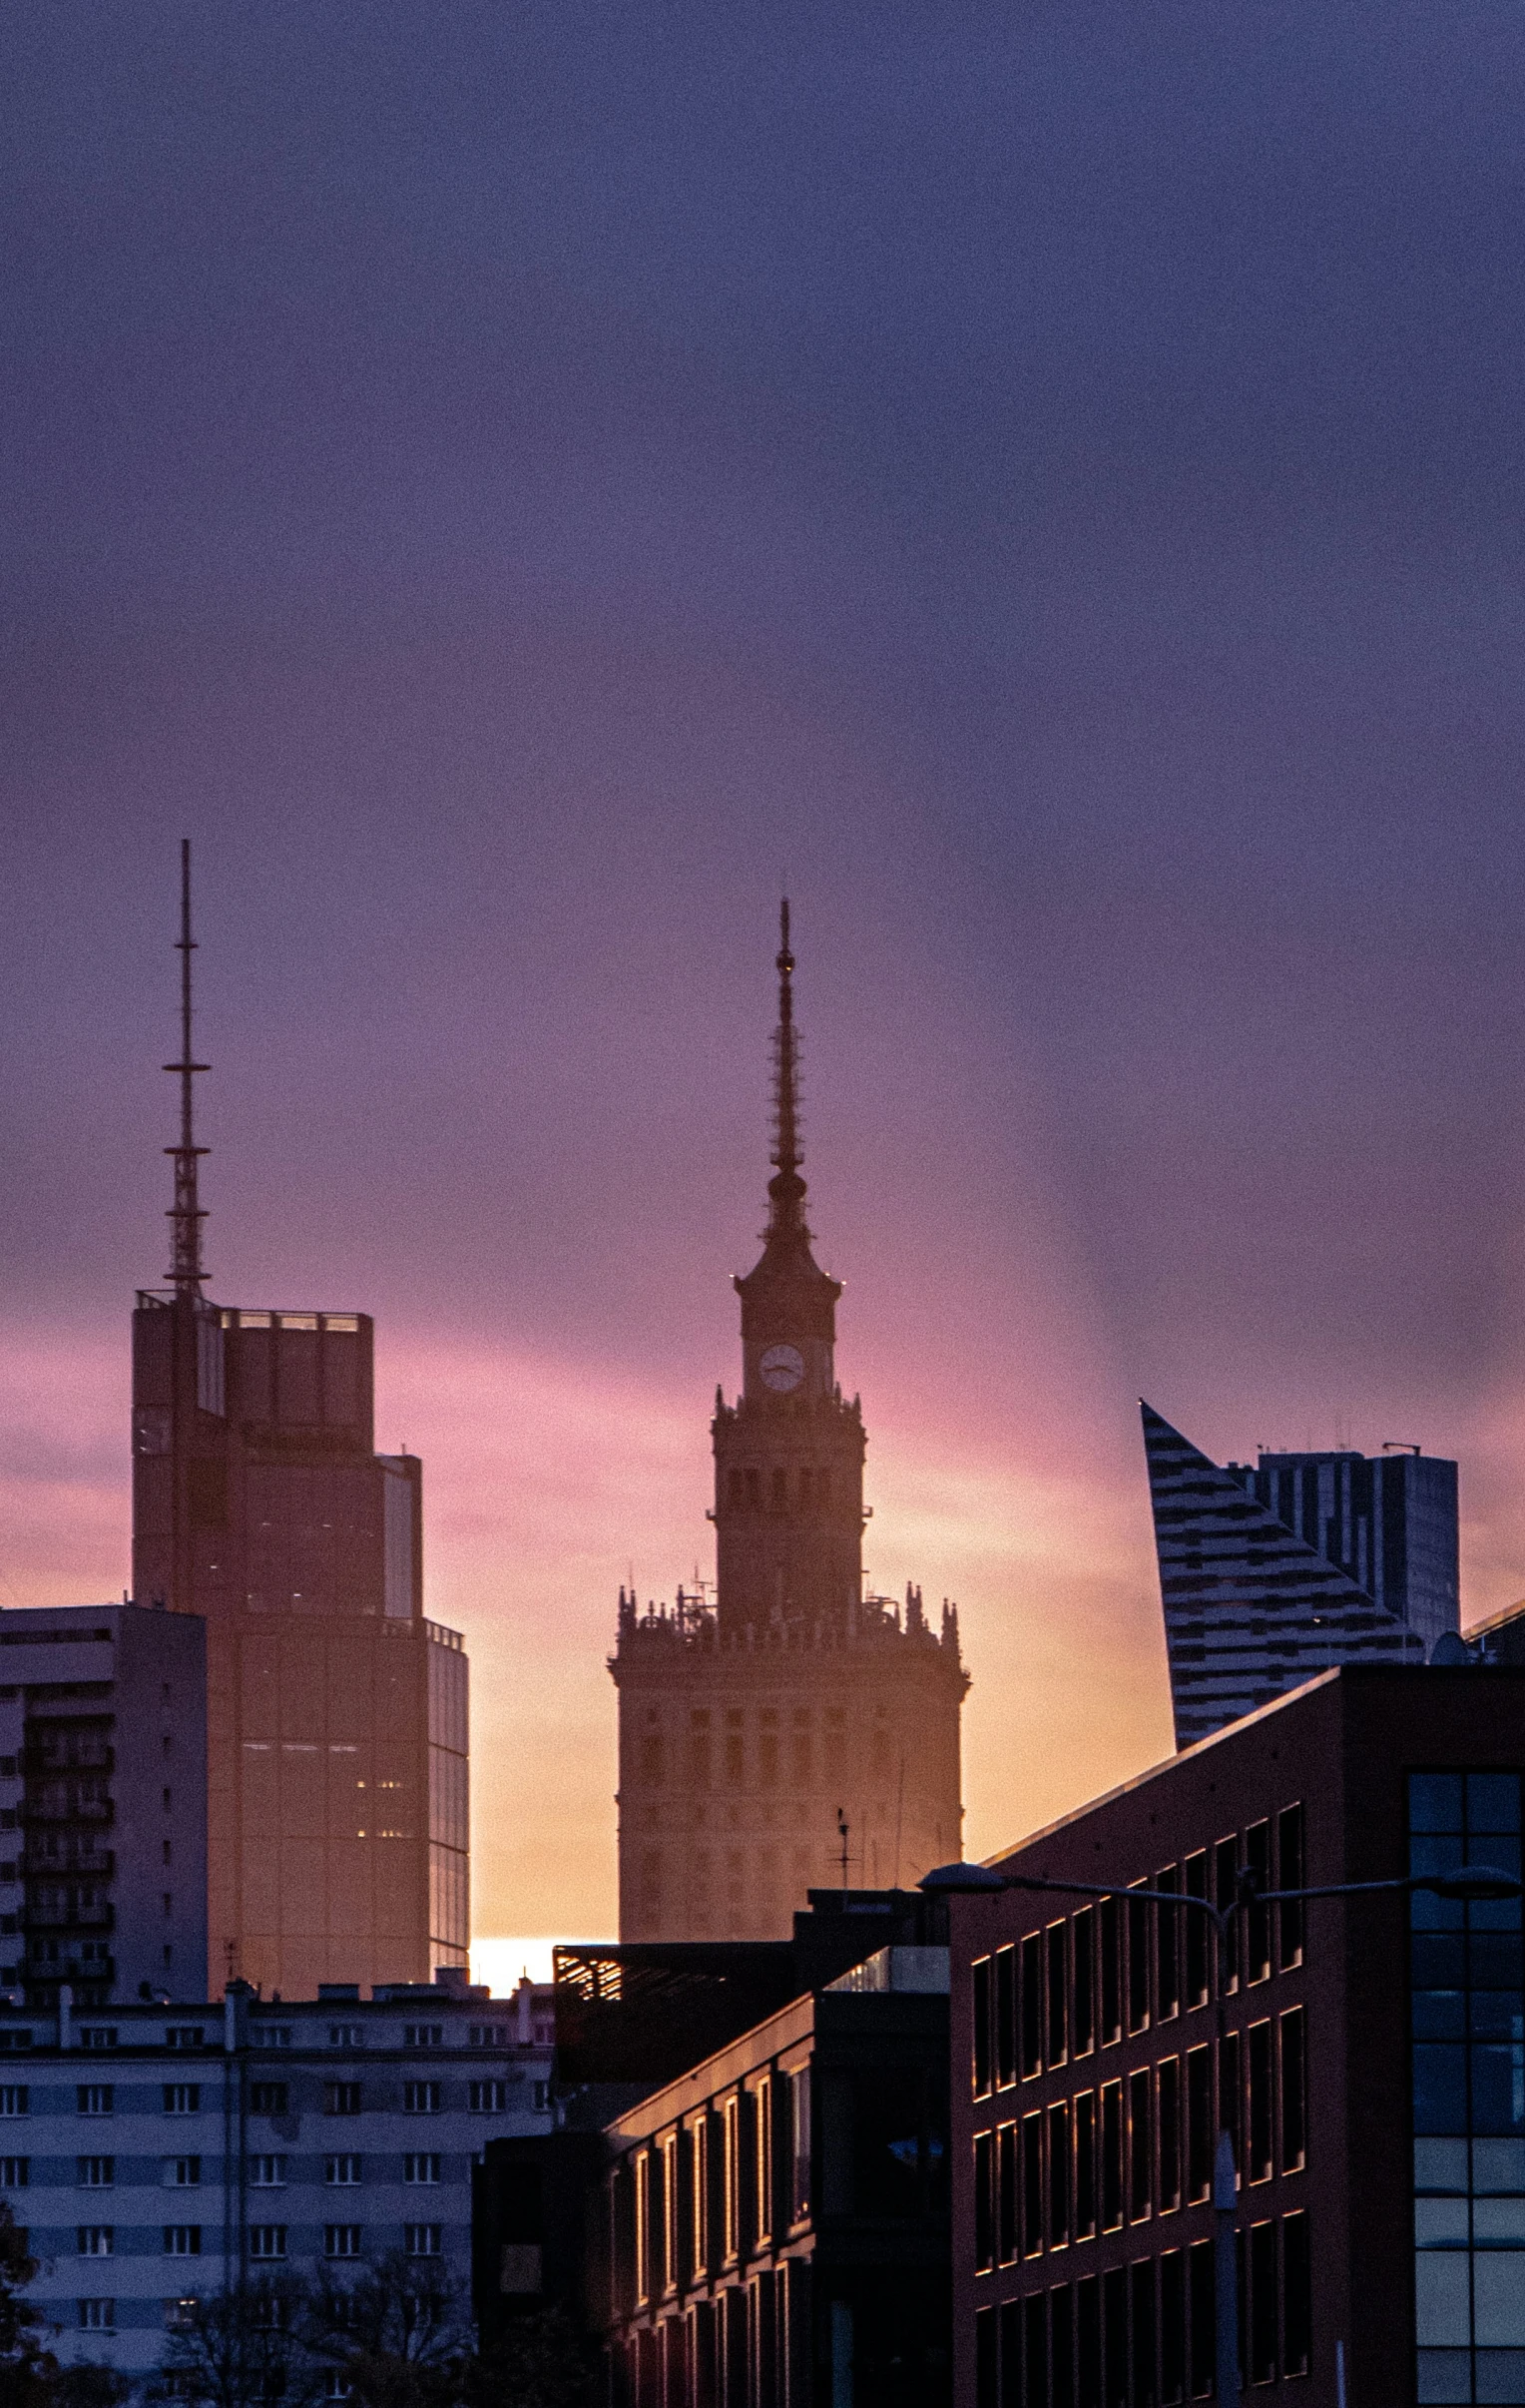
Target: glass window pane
1498 2088
1501 2375
1440 1855
1440 2299
1493 1801
1440 2224
1498 2290
1442 2166
1498 2166
1445 2375
1495 2015
1495 2222
1440 2015
1434 1801
1440 2087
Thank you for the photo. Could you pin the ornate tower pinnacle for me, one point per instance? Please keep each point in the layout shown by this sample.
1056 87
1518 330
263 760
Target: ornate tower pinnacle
184 1214
785 1189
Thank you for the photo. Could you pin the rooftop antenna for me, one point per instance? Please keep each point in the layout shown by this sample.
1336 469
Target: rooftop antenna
843 1827
186 1215
785 1189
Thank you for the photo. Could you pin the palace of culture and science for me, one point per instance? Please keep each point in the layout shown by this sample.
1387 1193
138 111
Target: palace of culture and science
789 1731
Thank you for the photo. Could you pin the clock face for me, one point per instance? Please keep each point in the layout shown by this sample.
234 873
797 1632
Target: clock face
783 1368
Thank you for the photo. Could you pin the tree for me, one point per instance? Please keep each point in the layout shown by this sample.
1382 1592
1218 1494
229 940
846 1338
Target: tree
392 2330
28 2372
240 2348
541 2361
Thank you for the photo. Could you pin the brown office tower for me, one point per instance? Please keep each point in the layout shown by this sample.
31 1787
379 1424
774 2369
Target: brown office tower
336 1714
784 1730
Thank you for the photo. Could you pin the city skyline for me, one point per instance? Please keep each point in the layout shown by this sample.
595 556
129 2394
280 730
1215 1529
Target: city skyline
515 492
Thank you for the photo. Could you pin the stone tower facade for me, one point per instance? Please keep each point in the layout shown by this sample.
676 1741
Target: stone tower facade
782 1721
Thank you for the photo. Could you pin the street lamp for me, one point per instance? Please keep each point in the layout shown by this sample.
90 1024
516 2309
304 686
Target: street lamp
1466 1882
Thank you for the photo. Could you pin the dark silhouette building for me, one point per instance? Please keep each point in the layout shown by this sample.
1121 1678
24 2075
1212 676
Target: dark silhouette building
1370 2071
786 1726
336 1739
1274 1572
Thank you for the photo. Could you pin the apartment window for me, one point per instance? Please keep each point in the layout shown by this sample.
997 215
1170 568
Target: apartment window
1141 2155
980 2068
1085 2165
1291 1876
1115 2333
1197 1932
422 2035
95 2240
1111 1971
1293 2092
799 2125
342 2172
268 2098
267 2242
420 2165
1085 1982
352 2036
341 2240
489 2036
1035 2346
643 2171
1005 2017
13 2172
1172 2330
1231 2092
1257 1920
1259 2151
423 2240
1032 2005
487 2097
1088 2339
1296 2297
984 2203
1200 2137
762 2114
1142 2285
418 2098
1056 2038
1167 1949
1032 2185
1168 2111
1263 2305
266 2174
184 2035
1062 2344
98 2036
1007 2219
183 2240
179 2317
15 2099
269 2036
95 2097
344 2097
985 2359
181 2172
1112 2156
1138 1913
96 2173
731 2130
1224 1891
699 2168
97 2315
181 2098
1201 2318
1059 2175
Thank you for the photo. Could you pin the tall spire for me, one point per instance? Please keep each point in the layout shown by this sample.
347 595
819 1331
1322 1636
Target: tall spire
186 1215
785 1189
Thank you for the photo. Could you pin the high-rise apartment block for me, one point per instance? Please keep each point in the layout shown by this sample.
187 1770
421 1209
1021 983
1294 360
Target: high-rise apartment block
102 1805
337 1712
1275 1573
787 1727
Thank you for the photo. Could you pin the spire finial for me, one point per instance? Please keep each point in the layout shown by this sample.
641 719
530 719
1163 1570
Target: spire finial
786 1188
184 1215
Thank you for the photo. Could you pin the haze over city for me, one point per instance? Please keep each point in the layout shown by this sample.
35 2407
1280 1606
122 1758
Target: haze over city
518 492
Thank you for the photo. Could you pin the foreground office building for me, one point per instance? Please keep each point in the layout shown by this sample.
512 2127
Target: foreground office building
778 2217
103 1804
159 2157
1269 1573
336 1713
787 1720
1370 2074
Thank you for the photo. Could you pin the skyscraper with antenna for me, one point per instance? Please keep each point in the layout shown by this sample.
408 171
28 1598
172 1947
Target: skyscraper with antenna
337 1712
759 1717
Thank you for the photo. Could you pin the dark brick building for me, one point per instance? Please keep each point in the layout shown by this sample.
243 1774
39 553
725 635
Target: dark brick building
1373 2072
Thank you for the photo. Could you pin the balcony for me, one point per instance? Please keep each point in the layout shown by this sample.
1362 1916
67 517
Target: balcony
100 1917
68 1810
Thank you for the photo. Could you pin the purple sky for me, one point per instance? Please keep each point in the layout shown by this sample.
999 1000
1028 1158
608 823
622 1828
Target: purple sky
514 484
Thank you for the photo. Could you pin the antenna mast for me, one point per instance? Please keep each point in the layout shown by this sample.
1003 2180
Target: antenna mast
186 1215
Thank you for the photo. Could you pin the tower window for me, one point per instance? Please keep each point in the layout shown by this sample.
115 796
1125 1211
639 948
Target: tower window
737 1488
754 1488
780 1486
806 1480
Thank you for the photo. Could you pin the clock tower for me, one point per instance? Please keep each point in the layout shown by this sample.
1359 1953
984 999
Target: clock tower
759 1718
